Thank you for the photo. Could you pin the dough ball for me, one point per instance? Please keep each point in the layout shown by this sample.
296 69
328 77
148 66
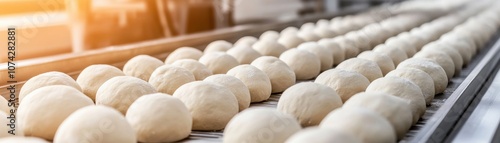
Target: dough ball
414 41
309 102
420 78
441 58
309 26
324 32
199 70
168 78
280 74
364 124
349 46
462 48
289 31
183 53
260 125
306 65
270 35
308 36
96 124
464 40
244 54
290 40
219 62
362 42
20 139
396 110
338 52
383 61
322 135
44 109
436 72
397 55
257 81
403 45
218 46
237 87
46 79
345 83
121 91
375 33
269 48
92 77
211 105
5 121
367 68
141 66
4 105
159 118
324 54
453 53
322 22
403 88
246 41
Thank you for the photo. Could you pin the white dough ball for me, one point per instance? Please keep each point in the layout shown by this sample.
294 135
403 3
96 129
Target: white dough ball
457 59
95 124
270 35
159 118
420 78
257 81
245 41
244 54
5 122
92 77
436 72
280 74
168 78
260 125
20 139
237 87
183 53
47 79
309 102
309 26
306 65
43 110
218 46
403 45
289 31
269 48
211 105
349 46
141 66
362 41
4 105
324 54
462 47
199 70
324 32
397 55
383 61
322 135
440 57
338 52
367 68
290 40
308 36
345 83
219 62
121 91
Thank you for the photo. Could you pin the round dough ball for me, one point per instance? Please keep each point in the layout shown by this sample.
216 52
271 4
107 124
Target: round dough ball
462 48
309 26
219 62
436 72
367 68
457 59
159 118
338 52
345 83
308 36
322 135
414 41
96 124
257 81
397 55
324 32
260 125
47 79
92 77
374 128
237 87
4 105
141 66
280 74
349 46
245 41
121 91
290 40
199 70
362 42
403 45
383 61
244 54
403 88
269 48
5 128
270 35
396 110
39 116
309 102
324 54
168 78
441 58
20 139
183 53
306 65
218 46
375 33
289 31
464 40
211 105
420 78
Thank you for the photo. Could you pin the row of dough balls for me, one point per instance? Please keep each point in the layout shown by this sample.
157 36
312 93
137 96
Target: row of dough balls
311 102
